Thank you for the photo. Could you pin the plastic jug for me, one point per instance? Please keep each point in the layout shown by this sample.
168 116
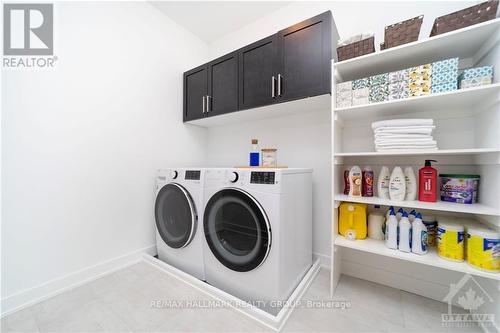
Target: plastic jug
352 220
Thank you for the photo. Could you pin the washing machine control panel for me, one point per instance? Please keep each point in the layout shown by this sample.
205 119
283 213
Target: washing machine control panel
192 175
262 177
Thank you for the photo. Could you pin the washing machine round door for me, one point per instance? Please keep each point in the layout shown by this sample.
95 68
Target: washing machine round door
237 230
175 215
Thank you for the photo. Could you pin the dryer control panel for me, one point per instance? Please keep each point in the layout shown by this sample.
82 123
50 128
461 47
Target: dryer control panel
262 177
192 175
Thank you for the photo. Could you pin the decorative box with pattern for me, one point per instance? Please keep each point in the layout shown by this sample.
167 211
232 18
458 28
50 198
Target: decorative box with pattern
415 84
444 77
476 82
419 91
344 86
360 101
379 79
361 93
445 65
398 76
440 88
361 83
379 93
475 72
398 90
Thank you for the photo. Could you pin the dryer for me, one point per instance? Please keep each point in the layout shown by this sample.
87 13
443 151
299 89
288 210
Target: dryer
179 234
258 232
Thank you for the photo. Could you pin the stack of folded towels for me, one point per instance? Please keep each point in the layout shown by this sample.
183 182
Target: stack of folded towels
404 134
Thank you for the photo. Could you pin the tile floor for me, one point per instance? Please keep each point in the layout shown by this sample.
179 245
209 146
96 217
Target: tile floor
121 302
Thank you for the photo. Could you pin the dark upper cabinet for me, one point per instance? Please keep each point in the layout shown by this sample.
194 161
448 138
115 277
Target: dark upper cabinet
258 67
291 64
223 85
306 53
195 92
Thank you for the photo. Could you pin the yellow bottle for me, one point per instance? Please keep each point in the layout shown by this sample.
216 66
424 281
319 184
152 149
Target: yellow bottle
352 220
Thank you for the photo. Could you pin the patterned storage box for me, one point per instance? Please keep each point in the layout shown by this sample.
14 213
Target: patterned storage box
398 90
419 91
379 79
423 71
440 88
476 82
420 83
343 104
360 101
444 77
360 93
361 83
398 76
473 73
379 93
344 86
445 65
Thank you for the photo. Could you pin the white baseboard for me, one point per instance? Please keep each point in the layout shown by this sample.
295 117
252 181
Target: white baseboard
27 297
324 259
276 323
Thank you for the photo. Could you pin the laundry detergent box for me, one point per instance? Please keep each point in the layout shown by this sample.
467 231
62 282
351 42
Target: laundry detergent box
446 87
344 86
379 93
380 79
476 72
476 82
445 65
444 77
399 76
360 83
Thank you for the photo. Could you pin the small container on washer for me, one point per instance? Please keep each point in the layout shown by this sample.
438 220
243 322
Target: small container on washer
269 157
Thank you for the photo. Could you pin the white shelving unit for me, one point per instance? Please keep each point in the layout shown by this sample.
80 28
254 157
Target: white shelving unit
467 131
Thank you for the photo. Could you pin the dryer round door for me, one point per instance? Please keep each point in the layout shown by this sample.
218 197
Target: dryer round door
237 230
175 215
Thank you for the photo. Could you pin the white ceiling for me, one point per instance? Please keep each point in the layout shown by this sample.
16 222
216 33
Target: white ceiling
210 20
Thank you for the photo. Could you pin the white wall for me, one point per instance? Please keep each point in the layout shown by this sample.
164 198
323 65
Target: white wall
309 146
81 143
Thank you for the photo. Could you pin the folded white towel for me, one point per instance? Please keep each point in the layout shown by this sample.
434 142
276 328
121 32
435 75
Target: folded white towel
409 144
389 136
429 140
405 148
402 123
405 130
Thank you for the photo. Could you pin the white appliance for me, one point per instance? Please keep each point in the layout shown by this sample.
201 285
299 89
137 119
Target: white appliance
258 232
178 217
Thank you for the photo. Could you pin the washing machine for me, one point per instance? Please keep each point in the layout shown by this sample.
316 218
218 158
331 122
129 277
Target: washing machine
178 217
258 232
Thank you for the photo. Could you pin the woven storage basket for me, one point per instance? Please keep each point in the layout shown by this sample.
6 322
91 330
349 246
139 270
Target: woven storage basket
356 49
402 32
463 18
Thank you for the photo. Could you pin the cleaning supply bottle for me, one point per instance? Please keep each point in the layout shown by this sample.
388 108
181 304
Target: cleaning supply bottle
384 178
399 214
427 179
391 231
412 215
255 153
397 185
367 182
404 234
355 180
411 184
346 182
419 236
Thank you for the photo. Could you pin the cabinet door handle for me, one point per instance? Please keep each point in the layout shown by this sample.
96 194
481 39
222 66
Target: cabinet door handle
273 87
280 84
209 103
204 108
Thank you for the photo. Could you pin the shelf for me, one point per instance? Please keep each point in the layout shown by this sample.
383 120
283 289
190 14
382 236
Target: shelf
464 43
466 99
285 109
443 152
431 258
477 208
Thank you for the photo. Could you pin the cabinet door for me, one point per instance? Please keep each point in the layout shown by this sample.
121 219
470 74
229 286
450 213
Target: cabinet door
257 67
195 91
223 85
306 52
